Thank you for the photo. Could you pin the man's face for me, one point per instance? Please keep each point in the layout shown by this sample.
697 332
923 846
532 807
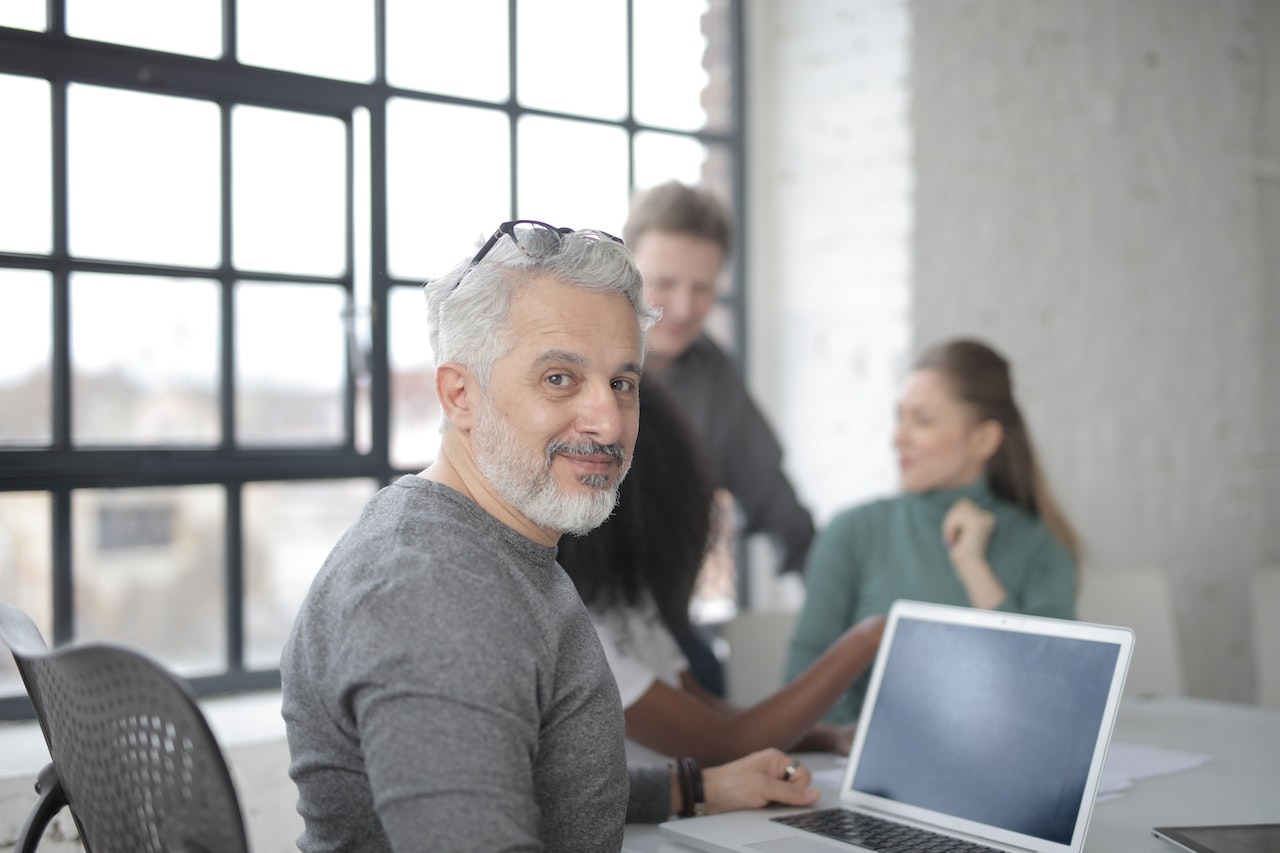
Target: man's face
555 434
680 274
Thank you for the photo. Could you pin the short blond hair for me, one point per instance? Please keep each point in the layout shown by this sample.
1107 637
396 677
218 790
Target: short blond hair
676 208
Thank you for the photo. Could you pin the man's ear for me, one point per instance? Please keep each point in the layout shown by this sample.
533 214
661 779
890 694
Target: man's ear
987 437
454 388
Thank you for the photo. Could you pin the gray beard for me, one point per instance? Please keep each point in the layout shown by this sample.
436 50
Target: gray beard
525 481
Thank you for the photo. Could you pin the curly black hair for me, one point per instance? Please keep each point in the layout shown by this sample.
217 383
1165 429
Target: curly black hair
657 538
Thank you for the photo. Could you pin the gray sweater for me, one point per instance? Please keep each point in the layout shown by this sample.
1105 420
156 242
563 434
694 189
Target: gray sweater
444 689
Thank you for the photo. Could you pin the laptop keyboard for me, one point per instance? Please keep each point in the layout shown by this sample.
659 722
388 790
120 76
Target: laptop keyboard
884 836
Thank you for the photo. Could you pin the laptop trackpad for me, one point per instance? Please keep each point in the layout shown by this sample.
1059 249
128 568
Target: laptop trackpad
800 844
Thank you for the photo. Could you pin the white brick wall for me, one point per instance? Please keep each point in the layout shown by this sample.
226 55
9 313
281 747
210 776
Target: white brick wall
1082 182
1108 151
829 236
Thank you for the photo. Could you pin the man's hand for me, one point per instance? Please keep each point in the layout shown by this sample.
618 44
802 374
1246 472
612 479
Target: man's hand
756 781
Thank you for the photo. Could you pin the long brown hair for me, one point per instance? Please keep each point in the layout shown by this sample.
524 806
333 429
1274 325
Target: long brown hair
980 376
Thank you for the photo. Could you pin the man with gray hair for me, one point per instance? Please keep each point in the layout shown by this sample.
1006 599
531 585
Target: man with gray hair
443 686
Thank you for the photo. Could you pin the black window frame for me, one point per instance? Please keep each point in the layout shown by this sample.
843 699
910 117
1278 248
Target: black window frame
60 468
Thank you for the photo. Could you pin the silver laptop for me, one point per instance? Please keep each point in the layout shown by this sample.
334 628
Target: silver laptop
987 728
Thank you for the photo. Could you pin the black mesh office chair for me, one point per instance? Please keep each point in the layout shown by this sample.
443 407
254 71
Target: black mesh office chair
133 757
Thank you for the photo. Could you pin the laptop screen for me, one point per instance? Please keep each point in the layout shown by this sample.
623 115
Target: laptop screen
988 725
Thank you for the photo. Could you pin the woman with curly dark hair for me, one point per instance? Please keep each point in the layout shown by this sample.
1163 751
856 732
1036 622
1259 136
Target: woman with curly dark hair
636 574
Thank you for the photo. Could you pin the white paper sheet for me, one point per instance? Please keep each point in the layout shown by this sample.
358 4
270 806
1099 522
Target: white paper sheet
1128 762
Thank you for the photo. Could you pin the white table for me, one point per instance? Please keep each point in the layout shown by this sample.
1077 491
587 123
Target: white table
1239 784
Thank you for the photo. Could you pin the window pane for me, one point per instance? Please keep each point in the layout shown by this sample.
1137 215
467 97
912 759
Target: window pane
591 194
289 391
669 73
26 351
449 47
361 329
25 172
715 593
289 196
559 40
144 360
335 40
193 27
667 157
144 173
289 530
448 183
415 409
149 571
23 14
26 574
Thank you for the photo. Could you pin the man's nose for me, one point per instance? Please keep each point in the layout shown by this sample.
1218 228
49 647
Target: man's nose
600 414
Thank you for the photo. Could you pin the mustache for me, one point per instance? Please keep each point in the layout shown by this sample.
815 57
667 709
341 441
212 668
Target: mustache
587 448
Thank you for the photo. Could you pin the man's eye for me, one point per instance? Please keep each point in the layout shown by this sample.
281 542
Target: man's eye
625 386
559 380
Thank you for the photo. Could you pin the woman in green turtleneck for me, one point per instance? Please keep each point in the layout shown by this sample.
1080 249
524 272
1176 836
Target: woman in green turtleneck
976 524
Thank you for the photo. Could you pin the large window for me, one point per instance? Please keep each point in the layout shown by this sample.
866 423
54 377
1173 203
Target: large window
215 221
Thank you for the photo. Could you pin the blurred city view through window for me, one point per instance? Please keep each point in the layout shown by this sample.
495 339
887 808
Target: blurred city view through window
189 277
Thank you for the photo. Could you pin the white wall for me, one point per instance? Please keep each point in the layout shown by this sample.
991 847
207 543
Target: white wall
1088 184
829 200
1269 182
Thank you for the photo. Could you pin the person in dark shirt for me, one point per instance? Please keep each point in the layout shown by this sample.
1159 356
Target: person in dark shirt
681 237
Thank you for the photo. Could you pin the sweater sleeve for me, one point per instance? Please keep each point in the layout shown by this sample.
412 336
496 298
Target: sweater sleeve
752 471
1050 585
650 800
472 710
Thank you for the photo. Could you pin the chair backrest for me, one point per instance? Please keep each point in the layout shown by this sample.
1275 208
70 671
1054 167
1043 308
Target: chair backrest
1138 599
137 763
758 642
1264 601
